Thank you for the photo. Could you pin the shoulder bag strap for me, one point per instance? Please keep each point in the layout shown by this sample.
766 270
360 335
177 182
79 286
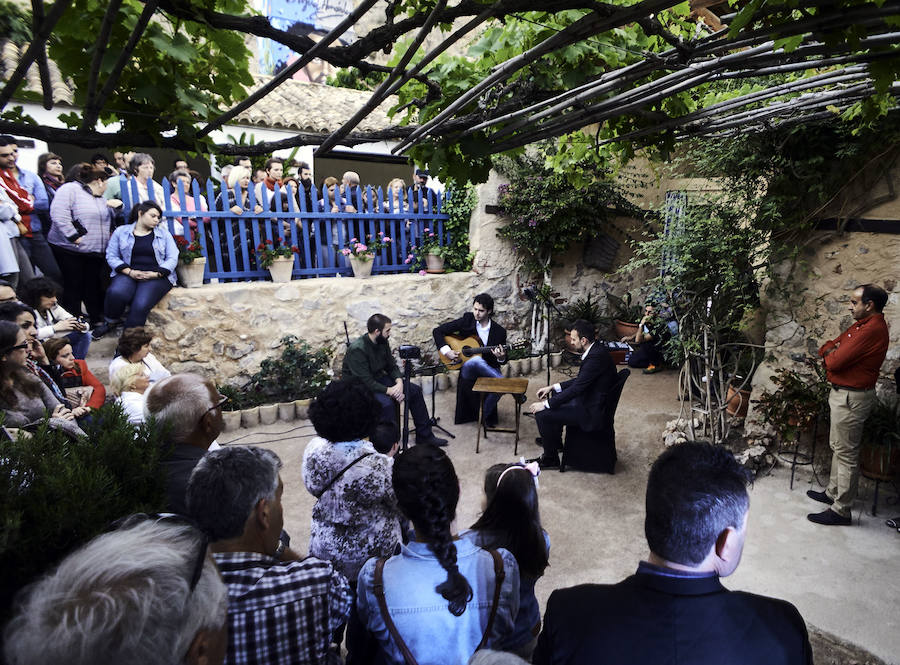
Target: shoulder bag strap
499 577
339 474
378 588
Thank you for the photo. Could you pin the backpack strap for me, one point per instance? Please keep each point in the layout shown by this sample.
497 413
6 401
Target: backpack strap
340 473
499 577
378 588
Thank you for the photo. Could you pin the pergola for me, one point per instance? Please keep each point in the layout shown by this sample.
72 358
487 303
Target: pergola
806 59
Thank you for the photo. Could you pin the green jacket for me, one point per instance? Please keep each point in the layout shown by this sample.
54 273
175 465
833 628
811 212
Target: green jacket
369 361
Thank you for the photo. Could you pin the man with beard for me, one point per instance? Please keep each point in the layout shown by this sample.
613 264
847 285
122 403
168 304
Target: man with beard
577 401
369 359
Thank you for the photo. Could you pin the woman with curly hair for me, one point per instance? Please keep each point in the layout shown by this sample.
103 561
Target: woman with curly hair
356 515
134 348
442 598
129 385
23 397
511 520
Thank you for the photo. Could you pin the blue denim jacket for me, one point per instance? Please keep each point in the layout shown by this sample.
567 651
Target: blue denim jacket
432 633
118 251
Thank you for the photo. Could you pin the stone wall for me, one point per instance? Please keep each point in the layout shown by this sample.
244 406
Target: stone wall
225 330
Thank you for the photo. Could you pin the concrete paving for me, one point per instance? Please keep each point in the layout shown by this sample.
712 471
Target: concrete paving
842 579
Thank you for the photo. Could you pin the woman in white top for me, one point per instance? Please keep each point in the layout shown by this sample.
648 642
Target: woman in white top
51 319
129 385
134 349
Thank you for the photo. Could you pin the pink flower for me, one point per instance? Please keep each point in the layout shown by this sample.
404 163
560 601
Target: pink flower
422 272
386 239
407 260
425 229
361 248
345 252
354 239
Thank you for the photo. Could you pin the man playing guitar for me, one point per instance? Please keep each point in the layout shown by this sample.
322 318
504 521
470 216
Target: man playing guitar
478 325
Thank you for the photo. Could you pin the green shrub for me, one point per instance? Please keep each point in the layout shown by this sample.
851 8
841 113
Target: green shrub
57 493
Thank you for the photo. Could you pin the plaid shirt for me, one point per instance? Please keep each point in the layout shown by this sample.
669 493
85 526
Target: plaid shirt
281 612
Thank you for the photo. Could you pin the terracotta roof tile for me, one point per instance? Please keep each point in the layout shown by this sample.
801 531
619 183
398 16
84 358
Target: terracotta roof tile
10 54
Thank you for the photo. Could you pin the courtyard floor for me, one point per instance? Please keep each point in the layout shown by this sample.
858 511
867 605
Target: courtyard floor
843 580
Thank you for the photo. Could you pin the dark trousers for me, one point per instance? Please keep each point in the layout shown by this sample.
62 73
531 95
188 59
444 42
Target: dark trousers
646 354
141 295
85 277
550 424
42 256
417 408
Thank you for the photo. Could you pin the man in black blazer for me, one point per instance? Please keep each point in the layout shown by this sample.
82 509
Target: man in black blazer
674 609
577 401
478 323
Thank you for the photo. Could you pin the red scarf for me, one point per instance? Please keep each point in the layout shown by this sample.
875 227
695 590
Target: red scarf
270 184
20 197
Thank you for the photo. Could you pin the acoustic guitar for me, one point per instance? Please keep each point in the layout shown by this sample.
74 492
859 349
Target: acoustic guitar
469 347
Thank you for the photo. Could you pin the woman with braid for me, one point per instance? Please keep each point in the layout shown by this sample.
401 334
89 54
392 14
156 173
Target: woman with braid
440 598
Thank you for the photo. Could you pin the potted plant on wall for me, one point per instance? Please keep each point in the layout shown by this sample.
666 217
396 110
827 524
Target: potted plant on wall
278 258
431 252
362 254
879 454
625 315
191 263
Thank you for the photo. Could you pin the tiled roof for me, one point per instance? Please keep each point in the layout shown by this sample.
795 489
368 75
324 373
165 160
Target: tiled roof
9 60
297 105
313 107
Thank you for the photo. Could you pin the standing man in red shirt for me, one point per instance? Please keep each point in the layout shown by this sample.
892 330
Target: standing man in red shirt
852 361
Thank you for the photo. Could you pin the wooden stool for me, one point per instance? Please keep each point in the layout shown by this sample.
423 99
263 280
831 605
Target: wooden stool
487 385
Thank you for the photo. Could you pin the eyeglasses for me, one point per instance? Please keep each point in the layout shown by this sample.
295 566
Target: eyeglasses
217 405
175 519
18 347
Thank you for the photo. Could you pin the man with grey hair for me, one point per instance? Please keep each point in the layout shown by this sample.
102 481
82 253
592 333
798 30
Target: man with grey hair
281 609
146 594
189 408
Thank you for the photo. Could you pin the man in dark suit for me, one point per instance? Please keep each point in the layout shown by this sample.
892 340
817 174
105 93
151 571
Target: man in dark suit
577 401
479 324
674 609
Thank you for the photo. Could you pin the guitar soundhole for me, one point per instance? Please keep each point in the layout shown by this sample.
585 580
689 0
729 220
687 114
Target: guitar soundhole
467 350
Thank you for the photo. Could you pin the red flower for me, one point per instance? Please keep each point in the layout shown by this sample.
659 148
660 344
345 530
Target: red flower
268 242
180 241
295 249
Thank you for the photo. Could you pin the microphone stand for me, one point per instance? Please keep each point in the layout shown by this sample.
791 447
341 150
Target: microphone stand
432 371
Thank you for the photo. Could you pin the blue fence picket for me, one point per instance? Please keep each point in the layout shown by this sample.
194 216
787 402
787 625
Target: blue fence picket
229 240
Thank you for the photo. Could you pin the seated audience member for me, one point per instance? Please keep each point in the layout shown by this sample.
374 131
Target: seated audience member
281 609
24 398
36 362
51 319
144 594
143 256
141 168
355 516
441 594
675 603
188 409
650 338
385 438
190 203
134 347
511 520
7 292
239 176
74 376
129 385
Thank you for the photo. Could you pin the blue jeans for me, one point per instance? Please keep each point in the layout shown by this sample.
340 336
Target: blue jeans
42 256
80 342
475 368
141 295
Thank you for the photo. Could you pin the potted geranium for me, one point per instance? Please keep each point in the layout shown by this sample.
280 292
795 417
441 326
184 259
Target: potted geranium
879 453
431 252
191 262
278 258
361 254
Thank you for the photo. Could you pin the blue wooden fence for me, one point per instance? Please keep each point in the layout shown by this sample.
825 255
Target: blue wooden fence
229 240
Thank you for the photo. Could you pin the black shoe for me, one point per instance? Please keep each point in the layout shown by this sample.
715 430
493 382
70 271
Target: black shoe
431 441
99 331
547 461
521 399
829 518
821 497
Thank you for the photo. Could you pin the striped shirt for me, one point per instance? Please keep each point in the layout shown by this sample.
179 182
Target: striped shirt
281 611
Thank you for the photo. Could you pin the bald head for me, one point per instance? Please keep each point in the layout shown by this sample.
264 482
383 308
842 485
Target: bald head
185 403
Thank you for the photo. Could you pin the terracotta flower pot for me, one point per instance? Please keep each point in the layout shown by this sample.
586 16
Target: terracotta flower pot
737 402
190 275
879 462
623 328
434 263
